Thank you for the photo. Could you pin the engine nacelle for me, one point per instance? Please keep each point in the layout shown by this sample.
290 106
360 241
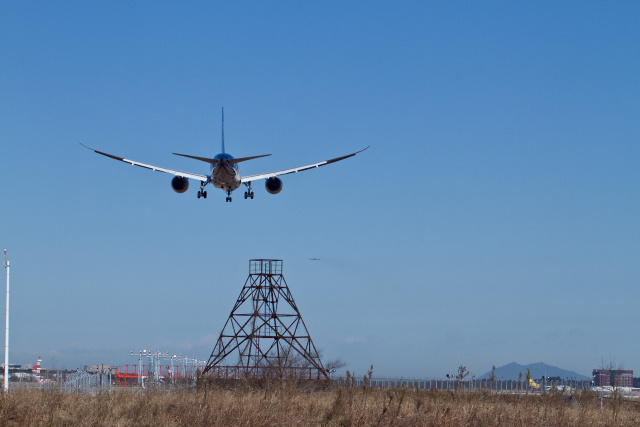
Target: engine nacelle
179 184
273 185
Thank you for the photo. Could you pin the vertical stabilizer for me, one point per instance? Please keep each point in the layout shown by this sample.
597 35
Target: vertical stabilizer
222 130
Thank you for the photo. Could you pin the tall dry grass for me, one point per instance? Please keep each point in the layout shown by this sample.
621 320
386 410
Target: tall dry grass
288 404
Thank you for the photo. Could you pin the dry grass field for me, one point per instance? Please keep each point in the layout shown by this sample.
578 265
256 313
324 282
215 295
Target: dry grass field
286 404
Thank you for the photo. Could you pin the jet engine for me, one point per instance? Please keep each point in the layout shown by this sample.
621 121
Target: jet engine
180 184
273 185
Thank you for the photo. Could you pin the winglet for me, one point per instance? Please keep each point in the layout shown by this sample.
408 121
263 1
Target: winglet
103 153
337 159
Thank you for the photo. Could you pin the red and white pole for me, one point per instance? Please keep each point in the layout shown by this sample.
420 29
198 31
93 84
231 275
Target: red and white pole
37 369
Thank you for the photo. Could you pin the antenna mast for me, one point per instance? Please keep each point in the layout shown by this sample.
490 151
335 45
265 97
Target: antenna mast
6 331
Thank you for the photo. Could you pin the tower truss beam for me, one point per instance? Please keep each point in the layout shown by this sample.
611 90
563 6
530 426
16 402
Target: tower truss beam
265 336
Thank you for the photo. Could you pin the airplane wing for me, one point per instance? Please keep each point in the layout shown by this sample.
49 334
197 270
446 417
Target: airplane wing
194 176
298 169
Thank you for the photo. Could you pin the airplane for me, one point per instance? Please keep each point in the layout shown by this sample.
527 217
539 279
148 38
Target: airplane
314 259
224 173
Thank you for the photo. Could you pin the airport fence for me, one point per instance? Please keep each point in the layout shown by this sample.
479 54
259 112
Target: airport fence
496 386
85 382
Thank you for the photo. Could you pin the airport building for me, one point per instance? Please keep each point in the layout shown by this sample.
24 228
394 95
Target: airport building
613 377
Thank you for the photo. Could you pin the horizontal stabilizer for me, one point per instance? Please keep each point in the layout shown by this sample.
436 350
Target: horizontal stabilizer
214 161
243 159
203 159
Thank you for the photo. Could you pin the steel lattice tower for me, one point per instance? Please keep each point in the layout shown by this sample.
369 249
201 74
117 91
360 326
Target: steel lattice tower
265 336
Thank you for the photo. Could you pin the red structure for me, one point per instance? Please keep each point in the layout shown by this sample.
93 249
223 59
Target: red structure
265 335
613 377
128 378
36 369
129 375
601 377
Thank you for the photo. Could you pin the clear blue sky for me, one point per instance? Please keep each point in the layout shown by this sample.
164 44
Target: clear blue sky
495 217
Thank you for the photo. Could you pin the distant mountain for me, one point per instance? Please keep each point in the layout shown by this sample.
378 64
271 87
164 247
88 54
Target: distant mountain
512 370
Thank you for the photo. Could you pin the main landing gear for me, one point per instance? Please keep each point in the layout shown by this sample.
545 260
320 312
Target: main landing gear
248 193
201 192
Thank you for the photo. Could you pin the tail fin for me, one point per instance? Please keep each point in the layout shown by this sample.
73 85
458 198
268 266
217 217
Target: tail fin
222 130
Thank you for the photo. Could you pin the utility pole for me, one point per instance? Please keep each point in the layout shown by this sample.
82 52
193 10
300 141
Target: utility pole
6 331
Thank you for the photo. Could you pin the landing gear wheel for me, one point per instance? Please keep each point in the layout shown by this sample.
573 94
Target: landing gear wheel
201 192
228 199
248 193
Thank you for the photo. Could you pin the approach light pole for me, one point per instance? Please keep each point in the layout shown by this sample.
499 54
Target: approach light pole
6 331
